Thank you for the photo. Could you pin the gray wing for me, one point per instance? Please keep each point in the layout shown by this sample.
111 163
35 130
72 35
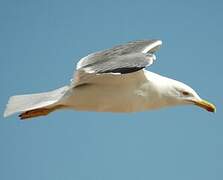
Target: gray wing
132 56
121 59
122 64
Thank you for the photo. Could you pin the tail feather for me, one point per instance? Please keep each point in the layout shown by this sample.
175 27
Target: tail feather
22 103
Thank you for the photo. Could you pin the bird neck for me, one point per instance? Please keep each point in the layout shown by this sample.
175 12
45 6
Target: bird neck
157 89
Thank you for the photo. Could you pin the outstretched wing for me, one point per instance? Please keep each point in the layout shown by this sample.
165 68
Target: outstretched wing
121 59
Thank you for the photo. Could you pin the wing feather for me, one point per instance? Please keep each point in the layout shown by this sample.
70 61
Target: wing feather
122 59
142 46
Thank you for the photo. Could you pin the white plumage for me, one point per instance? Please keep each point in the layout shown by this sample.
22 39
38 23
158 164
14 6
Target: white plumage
112 80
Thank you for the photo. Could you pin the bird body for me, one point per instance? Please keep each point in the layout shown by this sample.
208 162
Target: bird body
113 80
111 93
132 92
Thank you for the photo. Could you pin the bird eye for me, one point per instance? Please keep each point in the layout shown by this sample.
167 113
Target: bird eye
185 93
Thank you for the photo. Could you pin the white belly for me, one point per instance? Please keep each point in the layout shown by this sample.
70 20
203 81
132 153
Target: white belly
110 94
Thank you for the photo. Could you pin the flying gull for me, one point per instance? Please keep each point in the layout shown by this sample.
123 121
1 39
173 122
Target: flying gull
113 80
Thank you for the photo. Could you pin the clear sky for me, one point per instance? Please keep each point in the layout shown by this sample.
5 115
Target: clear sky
40 43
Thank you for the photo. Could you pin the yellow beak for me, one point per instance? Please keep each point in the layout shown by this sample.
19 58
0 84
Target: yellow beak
206 105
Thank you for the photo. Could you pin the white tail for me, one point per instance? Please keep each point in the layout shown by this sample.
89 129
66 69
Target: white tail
21 103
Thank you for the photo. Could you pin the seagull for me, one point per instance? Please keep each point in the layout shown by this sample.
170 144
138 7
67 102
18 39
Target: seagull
112 80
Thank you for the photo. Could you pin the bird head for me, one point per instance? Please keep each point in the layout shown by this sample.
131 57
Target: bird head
181 94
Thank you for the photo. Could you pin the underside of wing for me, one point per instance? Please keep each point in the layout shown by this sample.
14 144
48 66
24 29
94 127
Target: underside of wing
85 79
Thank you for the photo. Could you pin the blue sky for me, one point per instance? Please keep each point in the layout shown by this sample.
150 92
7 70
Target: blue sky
41 41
